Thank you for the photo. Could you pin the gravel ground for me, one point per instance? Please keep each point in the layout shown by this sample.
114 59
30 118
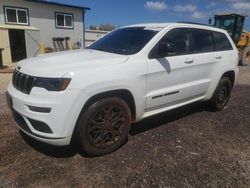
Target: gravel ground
186 147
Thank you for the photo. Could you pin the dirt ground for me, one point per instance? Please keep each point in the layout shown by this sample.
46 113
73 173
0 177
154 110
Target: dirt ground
187 147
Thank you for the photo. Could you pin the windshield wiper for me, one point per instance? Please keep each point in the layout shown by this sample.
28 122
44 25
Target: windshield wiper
111 50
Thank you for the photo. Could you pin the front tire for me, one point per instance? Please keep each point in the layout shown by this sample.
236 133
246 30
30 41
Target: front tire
104 126
221 95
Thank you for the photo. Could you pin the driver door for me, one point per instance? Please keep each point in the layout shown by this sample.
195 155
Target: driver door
175 77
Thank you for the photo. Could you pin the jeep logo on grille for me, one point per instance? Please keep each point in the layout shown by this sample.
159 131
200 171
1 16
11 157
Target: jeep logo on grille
18 68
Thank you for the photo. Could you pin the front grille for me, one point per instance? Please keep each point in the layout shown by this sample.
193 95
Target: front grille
22 82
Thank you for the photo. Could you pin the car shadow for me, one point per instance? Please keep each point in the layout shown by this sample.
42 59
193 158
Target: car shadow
49 150
57 151
136 128
166 117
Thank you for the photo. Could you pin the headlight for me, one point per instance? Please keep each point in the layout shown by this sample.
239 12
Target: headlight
52 84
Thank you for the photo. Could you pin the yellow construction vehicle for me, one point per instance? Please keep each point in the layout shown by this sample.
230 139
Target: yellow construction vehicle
234 24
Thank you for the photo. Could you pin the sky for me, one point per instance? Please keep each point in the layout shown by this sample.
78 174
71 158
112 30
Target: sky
125 12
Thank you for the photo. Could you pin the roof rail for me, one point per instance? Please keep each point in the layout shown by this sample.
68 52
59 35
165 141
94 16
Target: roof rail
195 23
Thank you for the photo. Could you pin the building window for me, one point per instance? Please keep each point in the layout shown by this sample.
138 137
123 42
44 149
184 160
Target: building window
14 15
64 21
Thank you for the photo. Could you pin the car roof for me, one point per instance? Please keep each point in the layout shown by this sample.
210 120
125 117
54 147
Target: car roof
185 24
162 25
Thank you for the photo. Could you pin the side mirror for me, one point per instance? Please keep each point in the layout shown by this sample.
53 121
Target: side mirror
162 50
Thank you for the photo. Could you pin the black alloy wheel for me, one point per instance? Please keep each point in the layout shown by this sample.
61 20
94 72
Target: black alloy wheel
104 126
221 95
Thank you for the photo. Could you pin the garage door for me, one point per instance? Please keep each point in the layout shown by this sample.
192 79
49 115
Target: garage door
32 39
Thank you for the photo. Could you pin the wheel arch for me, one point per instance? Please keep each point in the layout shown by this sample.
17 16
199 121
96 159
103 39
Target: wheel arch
230 75
124 94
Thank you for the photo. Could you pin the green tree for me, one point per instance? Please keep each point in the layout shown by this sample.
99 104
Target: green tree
92 27
106 27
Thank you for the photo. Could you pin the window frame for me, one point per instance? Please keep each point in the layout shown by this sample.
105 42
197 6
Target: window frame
188 29
64 16
215 50
17 17
164 35
212 40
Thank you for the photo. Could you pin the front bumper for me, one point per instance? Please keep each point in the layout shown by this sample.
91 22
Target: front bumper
54 126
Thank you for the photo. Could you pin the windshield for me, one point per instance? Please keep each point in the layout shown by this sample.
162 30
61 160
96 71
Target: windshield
125 41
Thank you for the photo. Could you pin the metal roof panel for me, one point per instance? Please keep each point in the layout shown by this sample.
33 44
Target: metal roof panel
59 4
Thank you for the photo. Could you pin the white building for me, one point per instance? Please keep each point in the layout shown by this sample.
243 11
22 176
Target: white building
25 25
92 35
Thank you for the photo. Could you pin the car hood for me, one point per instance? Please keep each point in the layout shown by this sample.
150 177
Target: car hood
59 63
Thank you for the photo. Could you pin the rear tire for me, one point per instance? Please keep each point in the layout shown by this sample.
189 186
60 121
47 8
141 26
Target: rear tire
221 95
104 126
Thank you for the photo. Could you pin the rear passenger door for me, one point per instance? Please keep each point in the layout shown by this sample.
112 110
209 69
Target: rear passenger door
206 61
223 50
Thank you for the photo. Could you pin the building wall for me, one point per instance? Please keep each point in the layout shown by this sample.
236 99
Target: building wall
42 16
92 35
4 43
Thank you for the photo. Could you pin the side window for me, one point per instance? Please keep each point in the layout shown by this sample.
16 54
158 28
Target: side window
64 20
14 15
221 42
179 40
202 41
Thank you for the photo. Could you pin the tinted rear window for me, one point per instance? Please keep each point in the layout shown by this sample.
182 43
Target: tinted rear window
221 42
202 41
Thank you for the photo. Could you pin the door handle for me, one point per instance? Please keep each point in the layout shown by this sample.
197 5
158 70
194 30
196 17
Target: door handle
189 62
218 57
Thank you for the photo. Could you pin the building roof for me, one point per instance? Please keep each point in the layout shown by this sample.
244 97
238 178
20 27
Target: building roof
231 14
59 4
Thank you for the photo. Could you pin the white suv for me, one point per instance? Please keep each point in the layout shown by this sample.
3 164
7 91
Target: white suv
132 73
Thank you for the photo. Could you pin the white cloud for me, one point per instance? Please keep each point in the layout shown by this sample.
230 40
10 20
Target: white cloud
210 5
198 15
185 8
156 5
241 6
232 1
189 8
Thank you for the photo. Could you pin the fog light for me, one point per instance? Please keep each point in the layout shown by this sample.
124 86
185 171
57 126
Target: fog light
40 126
